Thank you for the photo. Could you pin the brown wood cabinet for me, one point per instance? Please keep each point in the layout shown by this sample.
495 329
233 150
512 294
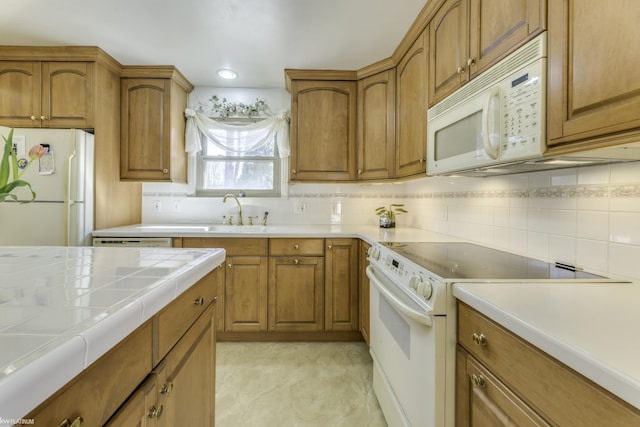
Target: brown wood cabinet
504 380
323 126
364 290
242 295
128 387
47 94
411 109
469 36
296 294
594 85
153 124
341 285
376 126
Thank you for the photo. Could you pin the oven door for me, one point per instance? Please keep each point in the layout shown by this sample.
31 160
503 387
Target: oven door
408 351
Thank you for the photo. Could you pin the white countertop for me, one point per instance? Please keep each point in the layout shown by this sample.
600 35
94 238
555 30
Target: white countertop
61 308
369 233
589 327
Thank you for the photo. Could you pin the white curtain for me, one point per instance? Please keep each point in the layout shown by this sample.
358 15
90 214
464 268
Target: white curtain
240 138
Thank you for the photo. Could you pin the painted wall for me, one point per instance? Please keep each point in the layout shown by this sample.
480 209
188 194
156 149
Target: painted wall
589 216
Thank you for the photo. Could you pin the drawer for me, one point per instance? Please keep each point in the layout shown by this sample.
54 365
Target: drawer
175 319
99 390
555 390
234 246
296 247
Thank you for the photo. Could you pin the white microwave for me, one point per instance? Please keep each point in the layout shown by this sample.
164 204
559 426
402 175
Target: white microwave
498 118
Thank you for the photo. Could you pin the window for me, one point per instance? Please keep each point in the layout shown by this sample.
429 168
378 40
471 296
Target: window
224 170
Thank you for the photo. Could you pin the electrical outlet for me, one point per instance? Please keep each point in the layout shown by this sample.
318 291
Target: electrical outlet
157 206
299 208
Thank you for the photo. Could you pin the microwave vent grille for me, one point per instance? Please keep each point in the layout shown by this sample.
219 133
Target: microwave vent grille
532 51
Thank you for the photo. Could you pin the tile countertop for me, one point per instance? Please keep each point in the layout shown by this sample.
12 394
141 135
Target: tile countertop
589 327
370 233
61 308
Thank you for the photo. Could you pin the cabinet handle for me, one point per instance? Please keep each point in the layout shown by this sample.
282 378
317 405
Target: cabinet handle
199 301
479 339
296 261
460 70
296 247
294 171
478 381
43 118
34 118
78 422
471 61
166 389
165 170
329 247
421 160
359 171
229 266
156 412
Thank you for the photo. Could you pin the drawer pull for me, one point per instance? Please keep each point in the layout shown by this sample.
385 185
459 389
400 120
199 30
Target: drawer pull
166 389
478 381
296 261
296 247
78 422
156 412
479 339
199 301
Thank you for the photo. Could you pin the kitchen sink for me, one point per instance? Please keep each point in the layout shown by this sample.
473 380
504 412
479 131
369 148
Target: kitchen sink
202 228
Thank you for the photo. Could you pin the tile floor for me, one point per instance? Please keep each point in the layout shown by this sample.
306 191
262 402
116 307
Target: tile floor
295 384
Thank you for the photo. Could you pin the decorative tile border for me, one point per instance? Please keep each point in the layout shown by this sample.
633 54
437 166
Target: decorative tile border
551 192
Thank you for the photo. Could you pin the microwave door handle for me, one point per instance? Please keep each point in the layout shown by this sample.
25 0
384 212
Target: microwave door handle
488 148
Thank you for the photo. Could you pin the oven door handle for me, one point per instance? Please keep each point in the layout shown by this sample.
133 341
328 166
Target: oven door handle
419 317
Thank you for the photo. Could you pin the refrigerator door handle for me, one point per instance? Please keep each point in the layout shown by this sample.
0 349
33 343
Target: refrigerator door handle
70 202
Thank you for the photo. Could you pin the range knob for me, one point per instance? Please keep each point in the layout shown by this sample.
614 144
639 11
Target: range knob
425 289
414 282
374 253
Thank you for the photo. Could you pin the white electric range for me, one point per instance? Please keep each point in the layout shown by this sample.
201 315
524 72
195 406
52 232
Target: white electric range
413 319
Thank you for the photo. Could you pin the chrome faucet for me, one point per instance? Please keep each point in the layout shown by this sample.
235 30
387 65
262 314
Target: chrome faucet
239 206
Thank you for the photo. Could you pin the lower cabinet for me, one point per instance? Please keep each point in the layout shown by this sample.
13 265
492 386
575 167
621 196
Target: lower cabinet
503 380
128 387
296 294
286 286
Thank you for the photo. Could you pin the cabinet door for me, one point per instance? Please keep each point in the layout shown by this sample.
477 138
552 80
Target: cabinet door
245 304
141 409
364 291
341 285
376 125
190 376
497 27
67 94
323 130
594 84
296 294
411 109
20 93
488 402
449 49
145 152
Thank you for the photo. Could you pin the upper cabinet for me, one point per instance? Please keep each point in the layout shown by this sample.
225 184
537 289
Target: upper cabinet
469 36
153 100
47 94
411 109
323 125
594 84
376 125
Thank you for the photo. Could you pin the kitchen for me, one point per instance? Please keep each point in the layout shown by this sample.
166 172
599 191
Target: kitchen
580 216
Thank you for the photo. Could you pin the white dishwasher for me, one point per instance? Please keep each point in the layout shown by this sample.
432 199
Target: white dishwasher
143 242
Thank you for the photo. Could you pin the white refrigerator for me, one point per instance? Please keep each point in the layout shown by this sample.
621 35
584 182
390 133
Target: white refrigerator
62 213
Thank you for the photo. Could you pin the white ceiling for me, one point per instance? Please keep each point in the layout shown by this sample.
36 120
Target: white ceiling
257 38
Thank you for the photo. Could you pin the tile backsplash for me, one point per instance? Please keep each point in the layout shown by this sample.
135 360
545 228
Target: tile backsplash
589 216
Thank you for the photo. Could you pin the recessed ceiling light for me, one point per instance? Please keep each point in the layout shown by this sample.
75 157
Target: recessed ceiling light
228 74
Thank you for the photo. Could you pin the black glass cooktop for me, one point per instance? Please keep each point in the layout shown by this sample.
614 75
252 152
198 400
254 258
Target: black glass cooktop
466 261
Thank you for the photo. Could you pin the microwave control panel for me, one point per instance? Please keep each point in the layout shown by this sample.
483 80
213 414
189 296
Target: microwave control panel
523 108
